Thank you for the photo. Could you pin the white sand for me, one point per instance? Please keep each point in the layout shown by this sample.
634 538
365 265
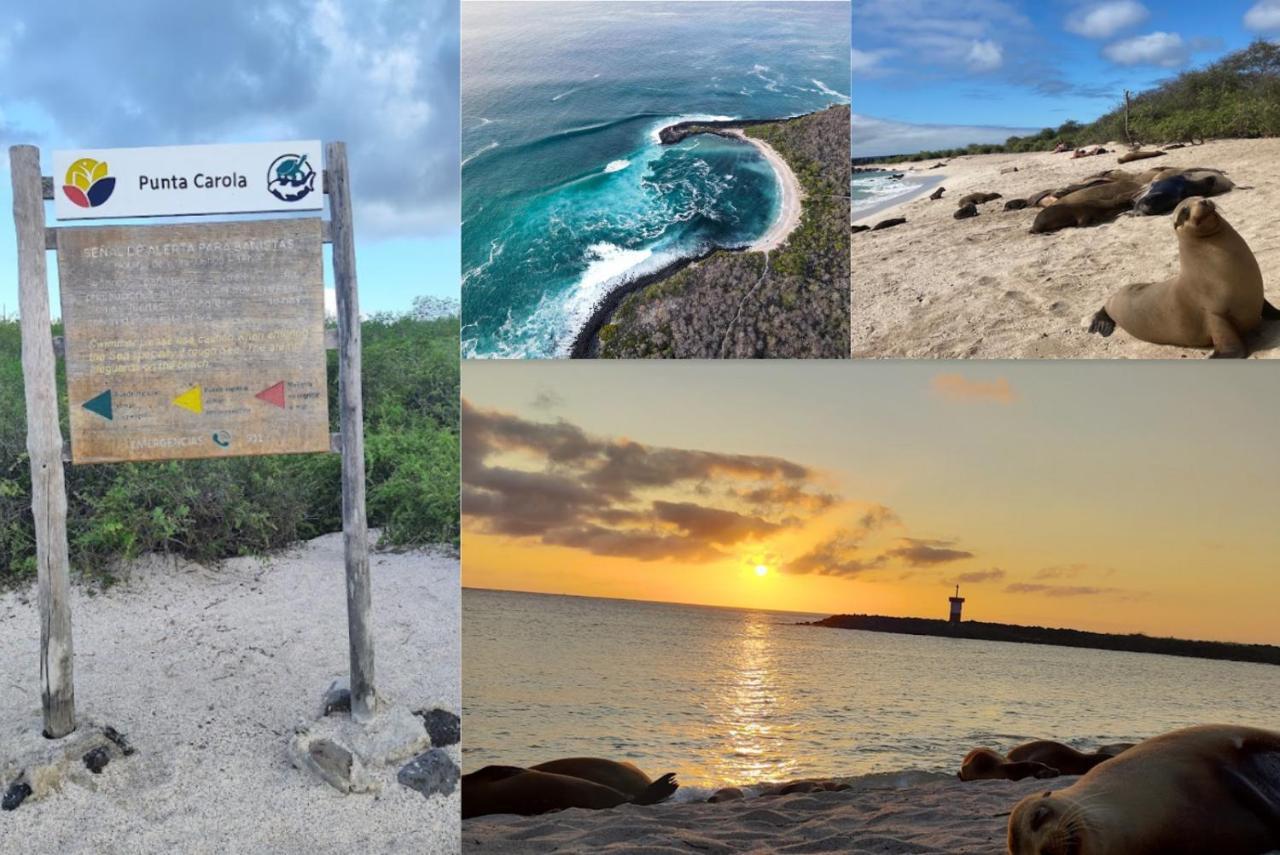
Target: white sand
790 208
207 671
985 287
940 816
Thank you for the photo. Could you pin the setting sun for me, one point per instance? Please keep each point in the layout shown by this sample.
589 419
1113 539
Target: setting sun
761 570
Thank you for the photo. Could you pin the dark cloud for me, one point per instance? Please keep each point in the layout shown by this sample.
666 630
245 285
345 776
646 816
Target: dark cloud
927 553
381 76
1068 590
995 574
554 482
839 555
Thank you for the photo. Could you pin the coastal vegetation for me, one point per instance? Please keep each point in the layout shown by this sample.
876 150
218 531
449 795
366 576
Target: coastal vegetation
794 303
211 509
1133 643
1237 97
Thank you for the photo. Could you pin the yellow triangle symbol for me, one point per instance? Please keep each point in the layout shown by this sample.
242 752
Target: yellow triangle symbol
190 400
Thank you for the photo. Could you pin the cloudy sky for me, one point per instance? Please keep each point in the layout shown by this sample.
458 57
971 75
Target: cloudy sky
940 73
1066 494
380 74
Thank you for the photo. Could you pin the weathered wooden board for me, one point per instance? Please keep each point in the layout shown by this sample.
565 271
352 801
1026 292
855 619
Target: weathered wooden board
194 340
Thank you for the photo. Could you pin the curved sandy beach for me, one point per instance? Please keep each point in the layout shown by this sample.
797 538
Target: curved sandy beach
207 671
985 287
792 195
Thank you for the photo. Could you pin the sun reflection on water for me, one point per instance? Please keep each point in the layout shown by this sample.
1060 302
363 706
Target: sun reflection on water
752 711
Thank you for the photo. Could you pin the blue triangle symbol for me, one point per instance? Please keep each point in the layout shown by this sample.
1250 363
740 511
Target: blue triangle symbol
100 405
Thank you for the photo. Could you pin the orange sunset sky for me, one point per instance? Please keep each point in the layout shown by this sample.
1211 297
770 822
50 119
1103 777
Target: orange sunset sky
1063 494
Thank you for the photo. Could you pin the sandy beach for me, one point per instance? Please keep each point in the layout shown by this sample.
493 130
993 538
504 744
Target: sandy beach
937 287
789 213
884 814
207 670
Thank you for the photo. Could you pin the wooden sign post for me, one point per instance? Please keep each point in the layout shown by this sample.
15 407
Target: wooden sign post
188 341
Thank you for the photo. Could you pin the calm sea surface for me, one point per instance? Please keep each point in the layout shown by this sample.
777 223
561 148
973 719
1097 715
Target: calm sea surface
737 697
565 187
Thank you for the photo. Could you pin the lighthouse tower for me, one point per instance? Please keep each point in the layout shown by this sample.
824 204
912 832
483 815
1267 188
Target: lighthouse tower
957 603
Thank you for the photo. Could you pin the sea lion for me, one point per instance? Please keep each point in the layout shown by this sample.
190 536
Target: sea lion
809 787
623 777
853 230
1063 758
888 224
529 792
977 199
1139 155
1088 206
966 211
983 764
1015 204
1216 298
1170 186
1041 759
937 194
1212 788
1041 199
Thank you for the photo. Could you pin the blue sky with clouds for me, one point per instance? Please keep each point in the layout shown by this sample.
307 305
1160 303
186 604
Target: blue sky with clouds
938 73
380 74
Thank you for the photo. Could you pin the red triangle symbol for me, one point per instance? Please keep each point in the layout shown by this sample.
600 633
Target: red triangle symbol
273 395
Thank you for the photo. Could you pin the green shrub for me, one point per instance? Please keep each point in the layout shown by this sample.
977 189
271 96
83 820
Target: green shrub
211 509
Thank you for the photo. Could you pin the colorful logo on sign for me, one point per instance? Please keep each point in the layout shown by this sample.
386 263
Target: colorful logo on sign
290 178
88 184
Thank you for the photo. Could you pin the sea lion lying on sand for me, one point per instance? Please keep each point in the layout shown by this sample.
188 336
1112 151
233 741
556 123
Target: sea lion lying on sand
977 199
964 212
1139 155
1169 187
1216 299
1213 788
1088 206
888 224
727 794
1015 204
581 782
853 230
1041 759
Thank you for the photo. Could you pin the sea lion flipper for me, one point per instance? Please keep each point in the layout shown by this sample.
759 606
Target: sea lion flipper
659 791
1102 323
1270 312
1227 343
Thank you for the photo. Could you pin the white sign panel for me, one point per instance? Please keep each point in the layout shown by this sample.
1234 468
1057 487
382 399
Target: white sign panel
191 179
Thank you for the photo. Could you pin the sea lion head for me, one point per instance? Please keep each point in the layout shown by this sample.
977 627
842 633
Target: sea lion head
1049 824
1197 217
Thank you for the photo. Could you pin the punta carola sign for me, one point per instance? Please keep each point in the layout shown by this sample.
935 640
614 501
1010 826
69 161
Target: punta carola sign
167 181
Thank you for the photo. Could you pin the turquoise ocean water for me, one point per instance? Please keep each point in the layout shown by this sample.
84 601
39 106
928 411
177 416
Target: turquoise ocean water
565 188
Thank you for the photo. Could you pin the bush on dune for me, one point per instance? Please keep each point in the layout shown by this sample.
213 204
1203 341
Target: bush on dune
211 509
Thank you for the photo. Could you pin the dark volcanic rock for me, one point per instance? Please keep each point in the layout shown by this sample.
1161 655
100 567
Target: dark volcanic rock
97 759
119 739
443 727
430 773
337 699
15 795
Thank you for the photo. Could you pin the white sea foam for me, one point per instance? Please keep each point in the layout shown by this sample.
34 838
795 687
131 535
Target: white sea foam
616 166
873 191
827 90
566 94
490 147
